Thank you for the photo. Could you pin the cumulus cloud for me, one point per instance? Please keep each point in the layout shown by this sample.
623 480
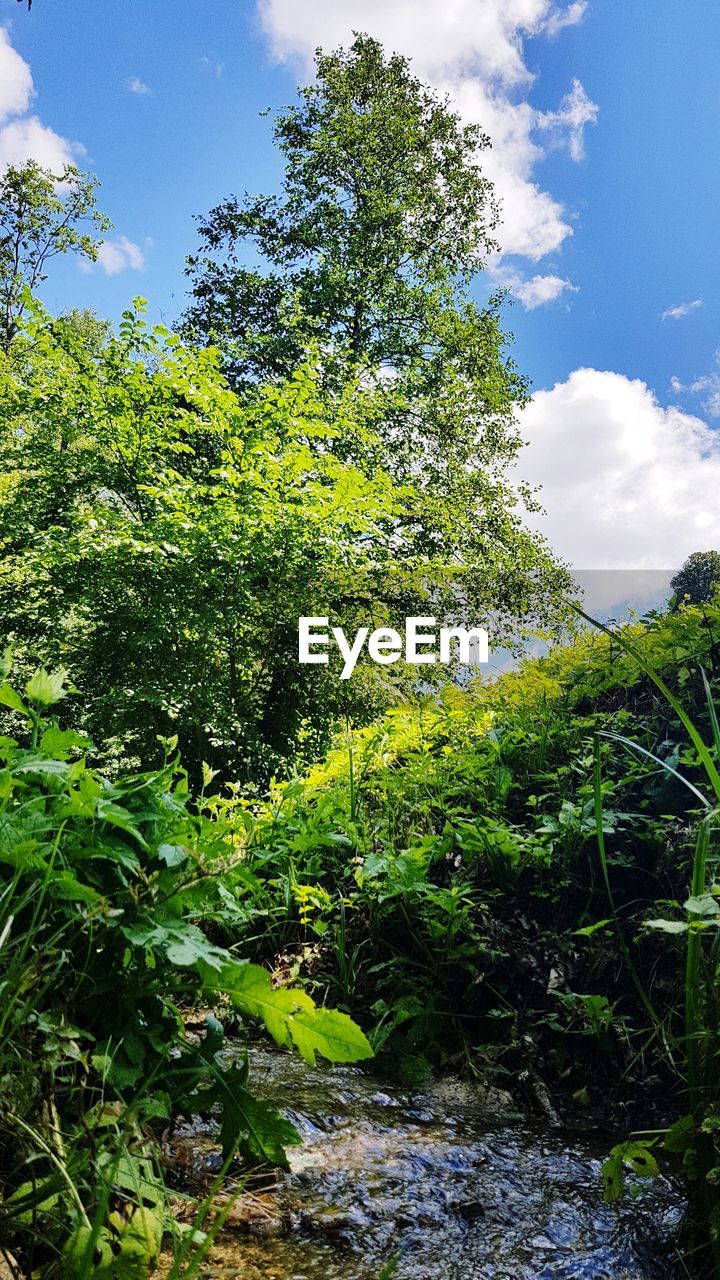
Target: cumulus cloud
475 53
30 139
535 292
627 483
681 310
16 86
118 254
138 86
22 136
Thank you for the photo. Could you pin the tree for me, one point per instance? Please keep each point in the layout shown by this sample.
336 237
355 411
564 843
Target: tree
171 588
162 531
698 579
41 215
161 536
384 214
384 219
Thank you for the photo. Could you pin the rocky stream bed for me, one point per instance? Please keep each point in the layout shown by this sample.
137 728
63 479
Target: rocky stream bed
446 1178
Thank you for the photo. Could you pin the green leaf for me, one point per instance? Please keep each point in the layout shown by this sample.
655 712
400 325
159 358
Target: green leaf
58 742
9 698
703 904
182 942
253 1127
679 1136
65 886
46 688
667 926
116 816
125 1249
289 1014
173 855
590 929
38 764
636 1155
208 774
31 1199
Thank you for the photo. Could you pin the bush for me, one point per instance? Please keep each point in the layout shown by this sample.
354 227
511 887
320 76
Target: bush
103 883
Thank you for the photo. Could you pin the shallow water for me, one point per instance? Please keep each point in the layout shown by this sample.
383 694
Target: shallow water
452 1180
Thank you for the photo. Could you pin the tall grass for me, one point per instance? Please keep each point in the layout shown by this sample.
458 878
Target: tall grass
701 1037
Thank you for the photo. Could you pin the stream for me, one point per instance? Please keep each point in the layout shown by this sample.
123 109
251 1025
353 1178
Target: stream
447 1177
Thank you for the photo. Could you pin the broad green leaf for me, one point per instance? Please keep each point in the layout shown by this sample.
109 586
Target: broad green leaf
9 698
182 942
679 1136
38 764
667 926
252 1126
637 1156
125 1249
64 885
116 816
58 742
289 1014
47 687
703 904
173 855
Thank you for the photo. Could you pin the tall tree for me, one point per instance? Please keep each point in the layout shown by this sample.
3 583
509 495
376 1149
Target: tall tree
384 216
41 215
384 219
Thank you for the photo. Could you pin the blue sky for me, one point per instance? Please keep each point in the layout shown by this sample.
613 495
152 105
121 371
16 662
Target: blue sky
605 120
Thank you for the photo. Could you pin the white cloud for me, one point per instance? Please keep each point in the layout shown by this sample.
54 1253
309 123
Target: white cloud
627 483
16 86
22 136
681 310
30 139
561 18
135 85
535 292
474 52
707 386
118 254
566 126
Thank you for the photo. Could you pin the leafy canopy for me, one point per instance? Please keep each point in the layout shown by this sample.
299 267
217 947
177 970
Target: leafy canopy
42 214
698 579
160 535
384 211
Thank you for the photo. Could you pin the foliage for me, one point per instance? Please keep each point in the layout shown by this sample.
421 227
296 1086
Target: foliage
42 214
452 851
384 219
700 1041
696 582
105 886
364 249
499 875
161 537
161 533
